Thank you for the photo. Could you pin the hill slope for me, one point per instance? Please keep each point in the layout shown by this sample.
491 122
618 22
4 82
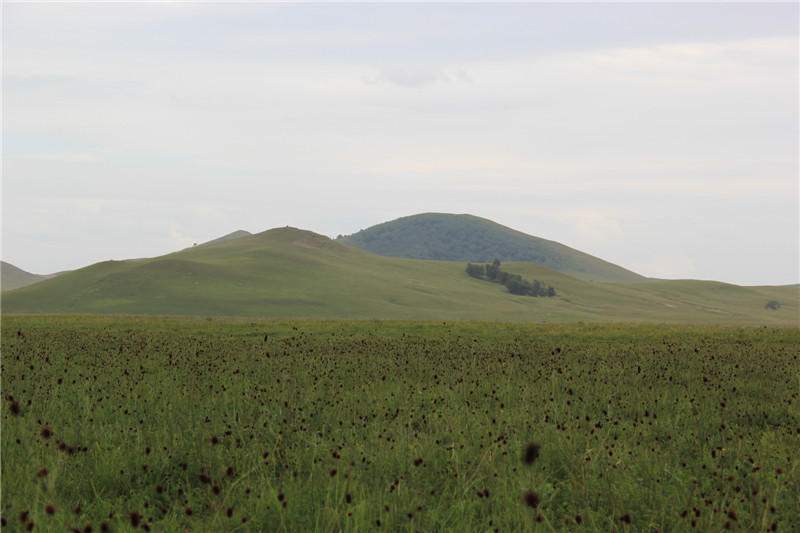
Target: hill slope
289 273
467 238
12 277
238 234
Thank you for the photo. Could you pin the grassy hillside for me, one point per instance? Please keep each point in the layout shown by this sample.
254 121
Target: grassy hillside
12 277
467 238
290 273
238 234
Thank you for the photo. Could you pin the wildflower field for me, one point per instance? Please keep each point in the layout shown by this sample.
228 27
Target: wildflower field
170 424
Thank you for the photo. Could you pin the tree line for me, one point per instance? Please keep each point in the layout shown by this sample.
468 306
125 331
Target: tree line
513 282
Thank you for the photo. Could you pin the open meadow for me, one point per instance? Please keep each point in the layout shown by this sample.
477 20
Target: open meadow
113 423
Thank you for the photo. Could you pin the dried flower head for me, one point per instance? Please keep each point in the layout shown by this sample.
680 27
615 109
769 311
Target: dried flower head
530 454
530 498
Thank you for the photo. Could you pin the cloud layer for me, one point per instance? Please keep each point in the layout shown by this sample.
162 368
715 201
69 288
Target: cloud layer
628 131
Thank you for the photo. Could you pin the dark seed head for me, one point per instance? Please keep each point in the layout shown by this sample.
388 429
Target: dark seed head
50 508
14 408
530 498
47 432
530 454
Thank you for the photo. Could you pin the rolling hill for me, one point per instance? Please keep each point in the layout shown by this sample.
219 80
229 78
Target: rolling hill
238 234
292 273
12 277
467 238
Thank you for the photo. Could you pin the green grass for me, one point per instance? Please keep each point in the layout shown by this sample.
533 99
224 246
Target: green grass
340 426
289 273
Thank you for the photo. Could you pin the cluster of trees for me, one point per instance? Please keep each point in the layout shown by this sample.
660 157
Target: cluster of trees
513 282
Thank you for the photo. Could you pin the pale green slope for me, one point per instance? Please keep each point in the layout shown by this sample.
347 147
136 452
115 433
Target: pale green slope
12 277
289 273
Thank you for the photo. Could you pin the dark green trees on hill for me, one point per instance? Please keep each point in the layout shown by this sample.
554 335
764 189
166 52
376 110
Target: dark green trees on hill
513 282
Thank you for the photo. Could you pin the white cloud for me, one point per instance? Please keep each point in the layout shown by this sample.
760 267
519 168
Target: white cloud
673 266
597 228
181 241
414 77
284 113
67 157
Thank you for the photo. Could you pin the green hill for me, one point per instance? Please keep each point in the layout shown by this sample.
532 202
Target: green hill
290 273
467 238
238 234
12 277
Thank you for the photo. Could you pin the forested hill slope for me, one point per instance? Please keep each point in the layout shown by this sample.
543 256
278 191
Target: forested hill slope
467 238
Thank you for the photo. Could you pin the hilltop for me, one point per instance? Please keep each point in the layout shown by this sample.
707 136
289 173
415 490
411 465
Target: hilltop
238 234
467 238
293 273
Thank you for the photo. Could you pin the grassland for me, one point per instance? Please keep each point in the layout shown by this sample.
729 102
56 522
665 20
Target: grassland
174 424
289 273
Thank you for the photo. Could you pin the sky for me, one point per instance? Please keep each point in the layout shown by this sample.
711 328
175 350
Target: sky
662 137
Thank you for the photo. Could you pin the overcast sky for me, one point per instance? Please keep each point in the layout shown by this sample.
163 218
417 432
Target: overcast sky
660 137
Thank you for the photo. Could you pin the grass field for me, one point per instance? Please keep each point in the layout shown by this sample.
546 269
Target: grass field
170 424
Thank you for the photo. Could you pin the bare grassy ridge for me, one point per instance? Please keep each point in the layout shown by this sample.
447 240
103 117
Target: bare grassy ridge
204 425
288 273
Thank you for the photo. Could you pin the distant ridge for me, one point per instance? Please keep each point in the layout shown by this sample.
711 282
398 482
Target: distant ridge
467 238
238 234
292 273
12 277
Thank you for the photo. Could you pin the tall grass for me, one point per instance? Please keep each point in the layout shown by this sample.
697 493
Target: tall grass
207 425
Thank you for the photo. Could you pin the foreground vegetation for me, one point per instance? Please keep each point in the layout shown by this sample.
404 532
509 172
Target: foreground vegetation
167 424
